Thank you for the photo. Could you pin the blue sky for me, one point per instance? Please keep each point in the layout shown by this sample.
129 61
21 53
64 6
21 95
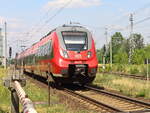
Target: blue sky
27 19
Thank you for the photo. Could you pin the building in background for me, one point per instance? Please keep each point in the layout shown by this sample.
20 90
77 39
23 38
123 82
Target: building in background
1 48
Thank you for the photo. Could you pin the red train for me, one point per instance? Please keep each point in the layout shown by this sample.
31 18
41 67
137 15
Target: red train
66 54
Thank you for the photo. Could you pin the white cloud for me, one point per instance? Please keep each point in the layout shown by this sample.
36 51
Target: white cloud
73 3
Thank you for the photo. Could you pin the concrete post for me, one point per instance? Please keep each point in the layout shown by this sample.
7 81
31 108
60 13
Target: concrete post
14 102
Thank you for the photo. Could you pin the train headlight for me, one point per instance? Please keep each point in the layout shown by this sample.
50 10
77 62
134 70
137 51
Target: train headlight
89 54
65 54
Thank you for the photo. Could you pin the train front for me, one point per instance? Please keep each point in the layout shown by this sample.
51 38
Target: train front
77 61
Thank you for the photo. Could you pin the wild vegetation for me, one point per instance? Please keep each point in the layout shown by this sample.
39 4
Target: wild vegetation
4 94
121 50
127 86
37 95
40 95
126 68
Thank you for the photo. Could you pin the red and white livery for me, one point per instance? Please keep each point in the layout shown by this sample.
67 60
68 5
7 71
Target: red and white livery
66 54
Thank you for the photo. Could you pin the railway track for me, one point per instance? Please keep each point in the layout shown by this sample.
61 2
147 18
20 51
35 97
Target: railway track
141 77
123 103
87 101
99 105
103 101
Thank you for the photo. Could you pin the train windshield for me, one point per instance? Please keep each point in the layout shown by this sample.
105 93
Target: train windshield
75 41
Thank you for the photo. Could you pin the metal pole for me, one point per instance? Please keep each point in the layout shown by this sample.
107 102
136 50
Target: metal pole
106 45
5 57
106 36
14 102
48 92
130 39
147 70
111 52
104 61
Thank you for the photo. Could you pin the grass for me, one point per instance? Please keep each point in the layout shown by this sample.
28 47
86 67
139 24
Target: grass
4 94
128 86
58 108
37 94
130 69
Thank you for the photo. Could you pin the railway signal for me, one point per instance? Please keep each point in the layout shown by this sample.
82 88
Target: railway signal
5 47
131 38
10 52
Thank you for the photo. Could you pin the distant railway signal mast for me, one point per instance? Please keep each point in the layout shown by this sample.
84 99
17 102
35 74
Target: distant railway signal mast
131 38
5 46
22 47
105 52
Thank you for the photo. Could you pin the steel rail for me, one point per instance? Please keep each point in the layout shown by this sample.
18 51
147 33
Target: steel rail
142 103
90 100
93 101
134 76
101 104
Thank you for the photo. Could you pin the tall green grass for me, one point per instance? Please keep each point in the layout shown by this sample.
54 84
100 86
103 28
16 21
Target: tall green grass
4 94
36 94
128 86
131 69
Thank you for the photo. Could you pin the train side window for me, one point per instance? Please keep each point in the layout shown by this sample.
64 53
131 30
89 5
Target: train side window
44 51
50 47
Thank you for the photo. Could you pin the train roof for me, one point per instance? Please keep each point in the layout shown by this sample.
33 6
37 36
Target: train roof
63 27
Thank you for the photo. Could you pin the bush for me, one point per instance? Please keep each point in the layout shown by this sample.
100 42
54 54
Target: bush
144 70
120 68
1 66
141 93
105 68
134 70
108 68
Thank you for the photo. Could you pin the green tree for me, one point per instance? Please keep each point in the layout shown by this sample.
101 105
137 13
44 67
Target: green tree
121 57
99 55
138 41
117 39
121 48
118 46
147 51
138 56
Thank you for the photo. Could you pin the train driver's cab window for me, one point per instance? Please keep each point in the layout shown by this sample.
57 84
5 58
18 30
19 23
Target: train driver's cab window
75 41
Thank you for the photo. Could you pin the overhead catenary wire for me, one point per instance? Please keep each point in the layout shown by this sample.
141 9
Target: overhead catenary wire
137 11
30 34
65 5
141 21
53 16
136 23
40 20
36 30
140 9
